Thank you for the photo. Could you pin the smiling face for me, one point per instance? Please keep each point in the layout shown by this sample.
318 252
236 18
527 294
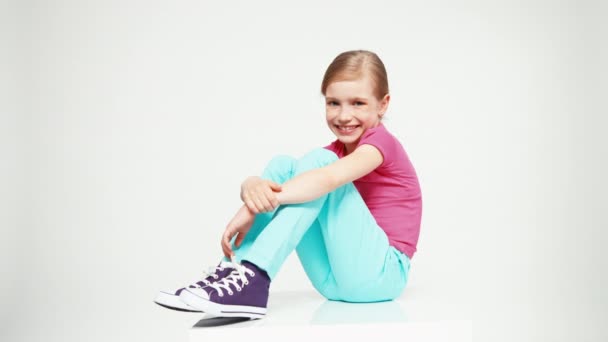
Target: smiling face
351 108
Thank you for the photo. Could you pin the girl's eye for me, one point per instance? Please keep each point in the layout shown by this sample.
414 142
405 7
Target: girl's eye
331 103
359 103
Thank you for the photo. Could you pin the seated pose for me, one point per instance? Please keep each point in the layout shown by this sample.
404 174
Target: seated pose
351 210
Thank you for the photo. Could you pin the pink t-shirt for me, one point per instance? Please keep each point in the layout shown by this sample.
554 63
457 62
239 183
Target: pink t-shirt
391 191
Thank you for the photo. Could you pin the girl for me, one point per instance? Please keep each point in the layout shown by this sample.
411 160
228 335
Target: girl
351 210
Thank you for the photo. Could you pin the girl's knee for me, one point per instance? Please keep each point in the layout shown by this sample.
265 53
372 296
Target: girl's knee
281 160
323 155
316 158
279 168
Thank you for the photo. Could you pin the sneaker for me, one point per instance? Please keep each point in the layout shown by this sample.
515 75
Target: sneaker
171 300
242 293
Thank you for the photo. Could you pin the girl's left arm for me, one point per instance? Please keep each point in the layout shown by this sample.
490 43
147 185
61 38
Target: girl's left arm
314 183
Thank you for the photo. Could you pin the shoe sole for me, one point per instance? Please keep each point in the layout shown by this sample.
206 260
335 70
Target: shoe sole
221 310
173 302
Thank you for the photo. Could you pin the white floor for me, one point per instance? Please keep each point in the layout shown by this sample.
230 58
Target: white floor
415 316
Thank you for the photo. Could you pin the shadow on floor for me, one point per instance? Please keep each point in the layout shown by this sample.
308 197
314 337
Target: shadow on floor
219 321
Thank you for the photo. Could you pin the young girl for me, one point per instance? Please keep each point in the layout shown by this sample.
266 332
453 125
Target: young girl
351 210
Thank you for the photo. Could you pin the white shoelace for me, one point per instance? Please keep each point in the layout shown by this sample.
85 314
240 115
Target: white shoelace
212 272
239 273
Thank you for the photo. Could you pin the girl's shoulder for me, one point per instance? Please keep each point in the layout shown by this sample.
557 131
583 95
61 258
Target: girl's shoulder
390 146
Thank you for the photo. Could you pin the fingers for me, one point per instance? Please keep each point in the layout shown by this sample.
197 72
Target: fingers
275 186
257 201
272 199
226 246
226 249
227 253
250 203
254 205
261 203
261 198
266 203
239 239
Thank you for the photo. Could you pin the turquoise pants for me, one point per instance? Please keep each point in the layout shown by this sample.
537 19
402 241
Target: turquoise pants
343 251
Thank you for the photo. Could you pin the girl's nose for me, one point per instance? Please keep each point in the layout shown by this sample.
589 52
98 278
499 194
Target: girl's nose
345 115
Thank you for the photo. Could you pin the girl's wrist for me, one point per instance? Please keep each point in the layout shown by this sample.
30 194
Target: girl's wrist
279 197
245 209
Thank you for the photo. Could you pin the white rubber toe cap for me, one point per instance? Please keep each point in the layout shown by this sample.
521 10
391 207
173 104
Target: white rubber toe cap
199 292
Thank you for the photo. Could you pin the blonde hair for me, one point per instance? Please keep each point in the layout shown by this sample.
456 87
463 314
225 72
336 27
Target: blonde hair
353 65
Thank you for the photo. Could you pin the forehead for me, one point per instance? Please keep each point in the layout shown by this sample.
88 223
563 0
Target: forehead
361 87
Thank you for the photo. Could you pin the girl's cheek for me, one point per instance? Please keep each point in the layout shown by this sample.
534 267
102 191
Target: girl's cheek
332 110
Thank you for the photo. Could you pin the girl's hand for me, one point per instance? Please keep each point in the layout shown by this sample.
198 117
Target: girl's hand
259 194
240 224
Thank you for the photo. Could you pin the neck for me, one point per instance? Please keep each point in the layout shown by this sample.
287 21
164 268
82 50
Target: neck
348 149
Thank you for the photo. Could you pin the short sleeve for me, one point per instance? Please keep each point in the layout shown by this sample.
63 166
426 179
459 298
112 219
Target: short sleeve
333 147
379 138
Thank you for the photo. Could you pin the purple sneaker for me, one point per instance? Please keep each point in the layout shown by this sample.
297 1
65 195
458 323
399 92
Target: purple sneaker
171 300
242 293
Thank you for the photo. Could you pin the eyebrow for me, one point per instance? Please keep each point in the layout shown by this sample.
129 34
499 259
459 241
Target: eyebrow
352 98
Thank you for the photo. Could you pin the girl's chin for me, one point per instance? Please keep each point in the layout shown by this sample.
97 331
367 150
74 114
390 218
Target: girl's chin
353 135
347 139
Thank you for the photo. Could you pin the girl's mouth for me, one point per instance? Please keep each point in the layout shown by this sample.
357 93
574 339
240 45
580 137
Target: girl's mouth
346 130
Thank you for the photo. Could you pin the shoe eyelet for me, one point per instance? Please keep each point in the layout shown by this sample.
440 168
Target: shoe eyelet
253 274
239 289
215 276
246 283
230 293
221 295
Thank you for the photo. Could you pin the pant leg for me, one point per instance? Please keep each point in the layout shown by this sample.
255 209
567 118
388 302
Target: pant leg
290 223
311 249
279 170
363 267
312 253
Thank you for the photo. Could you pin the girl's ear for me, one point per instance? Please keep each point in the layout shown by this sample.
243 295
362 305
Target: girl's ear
384 104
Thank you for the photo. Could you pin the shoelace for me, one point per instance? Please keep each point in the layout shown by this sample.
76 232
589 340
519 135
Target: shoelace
239 273
212 272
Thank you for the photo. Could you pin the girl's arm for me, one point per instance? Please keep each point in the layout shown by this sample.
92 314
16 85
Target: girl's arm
314 183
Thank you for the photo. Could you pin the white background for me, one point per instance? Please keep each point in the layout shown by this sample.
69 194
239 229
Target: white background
128 126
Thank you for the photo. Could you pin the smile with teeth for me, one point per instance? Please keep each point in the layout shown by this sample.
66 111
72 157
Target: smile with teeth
347 128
